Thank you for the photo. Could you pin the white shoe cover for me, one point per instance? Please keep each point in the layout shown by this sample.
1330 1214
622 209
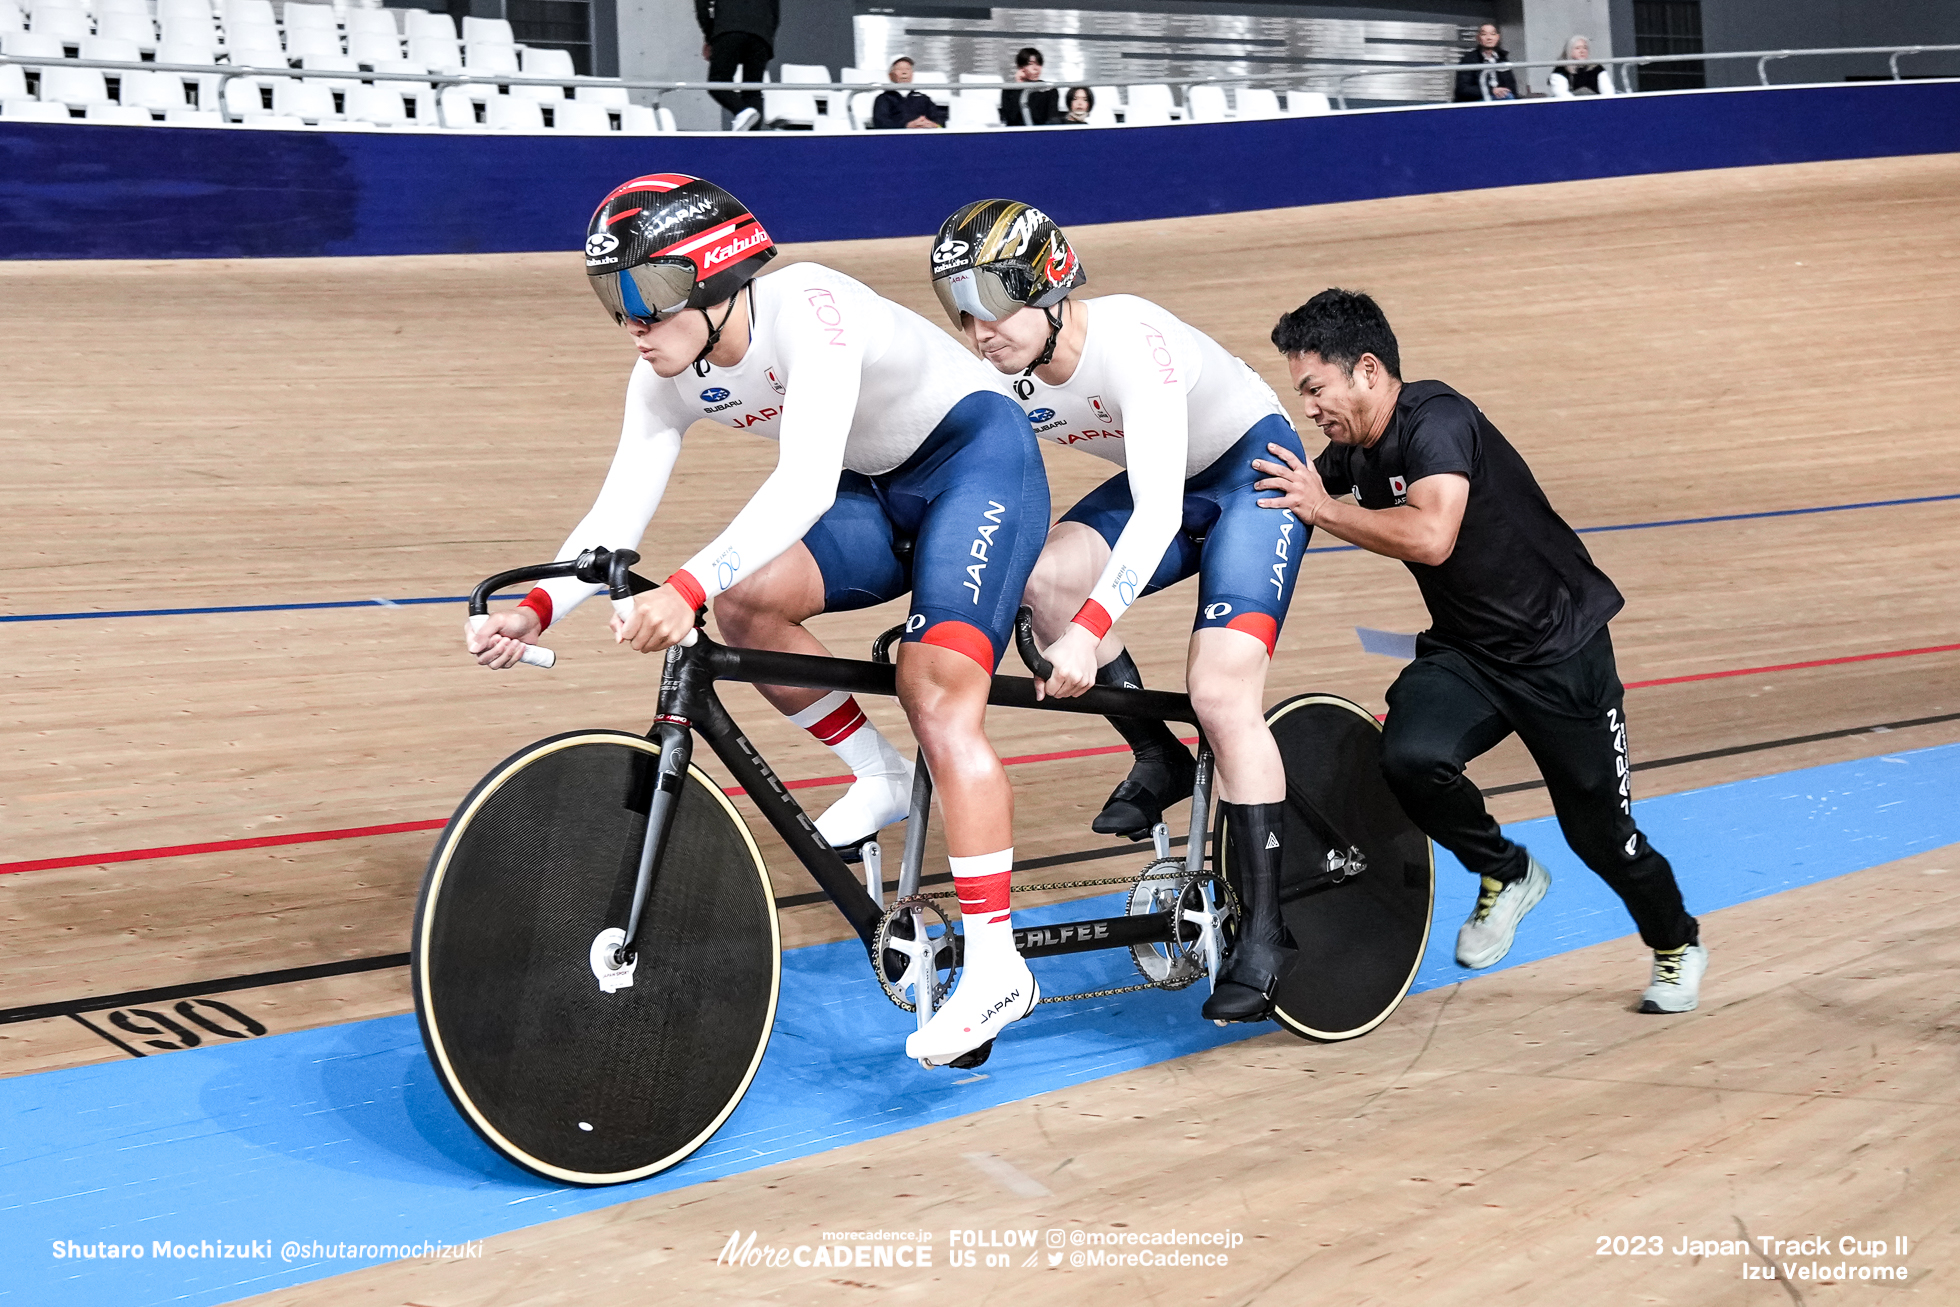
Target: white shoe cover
871 804
982 1007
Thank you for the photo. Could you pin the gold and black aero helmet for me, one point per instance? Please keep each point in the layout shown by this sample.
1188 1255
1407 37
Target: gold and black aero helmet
996 257
667 242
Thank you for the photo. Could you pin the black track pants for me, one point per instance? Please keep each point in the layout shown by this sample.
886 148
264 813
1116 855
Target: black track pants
1447 708
734 52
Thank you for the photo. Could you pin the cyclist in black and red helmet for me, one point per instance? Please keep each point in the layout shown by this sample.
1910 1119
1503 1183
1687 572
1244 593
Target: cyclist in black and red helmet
888 434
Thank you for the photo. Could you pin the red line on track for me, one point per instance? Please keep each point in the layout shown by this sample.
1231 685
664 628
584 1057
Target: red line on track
1792 667
404 827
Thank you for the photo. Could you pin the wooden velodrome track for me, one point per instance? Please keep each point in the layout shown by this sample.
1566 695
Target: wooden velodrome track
202 434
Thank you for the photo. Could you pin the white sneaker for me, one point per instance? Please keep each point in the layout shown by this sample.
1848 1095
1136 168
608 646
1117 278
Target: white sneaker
871 804
1486 937
1676 985
745 120
982 1007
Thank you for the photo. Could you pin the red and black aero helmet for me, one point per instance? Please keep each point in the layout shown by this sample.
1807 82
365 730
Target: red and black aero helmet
667 242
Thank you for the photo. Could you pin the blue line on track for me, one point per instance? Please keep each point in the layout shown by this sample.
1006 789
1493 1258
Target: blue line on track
343 1135
1329 549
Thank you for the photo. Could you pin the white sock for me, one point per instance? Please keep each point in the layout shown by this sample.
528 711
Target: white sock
986 919
837 721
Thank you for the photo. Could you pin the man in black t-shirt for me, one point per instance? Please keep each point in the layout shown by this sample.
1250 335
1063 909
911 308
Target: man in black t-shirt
1517 641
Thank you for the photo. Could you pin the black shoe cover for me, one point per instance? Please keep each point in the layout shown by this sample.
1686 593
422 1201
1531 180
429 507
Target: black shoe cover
1262 949
1164 770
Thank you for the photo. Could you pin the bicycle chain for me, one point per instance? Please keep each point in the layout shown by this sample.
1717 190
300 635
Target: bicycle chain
1079 884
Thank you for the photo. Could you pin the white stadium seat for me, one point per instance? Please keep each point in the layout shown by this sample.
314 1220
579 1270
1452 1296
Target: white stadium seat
180 30
33 45
459 105
1301 104
308 101
128 115
318 18
423 23
75 87
109 48
539 62
440 54
487 31
1205 104
549 95
311 40
274 122
257 36
161 92
135 28
581 118
973 109
367 47
245 96
249 13
794 106
186 52
69 25
639 120
379 103
1257 102
368 22
34 111
663 119
611 96
11 18
103 8
193 118
168 9
13 82
935 75
1149 105
490 60
508 114
331 63
255 56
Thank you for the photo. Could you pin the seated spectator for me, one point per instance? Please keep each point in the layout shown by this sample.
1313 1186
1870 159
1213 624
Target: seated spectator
895 109
1081 102
1021 107
1579 77
1480 85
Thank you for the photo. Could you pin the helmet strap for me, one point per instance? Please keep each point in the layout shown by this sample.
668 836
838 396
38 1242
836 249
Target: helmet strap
701 368
1054 316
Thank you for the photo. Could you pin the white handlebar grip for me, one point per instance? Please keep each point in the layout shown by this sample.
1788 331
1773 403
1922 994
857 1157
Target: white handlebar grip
623 608
532 655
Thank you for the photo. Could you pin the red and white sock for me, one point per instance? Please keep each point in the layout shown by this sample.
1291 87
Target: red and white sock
882 790
986 919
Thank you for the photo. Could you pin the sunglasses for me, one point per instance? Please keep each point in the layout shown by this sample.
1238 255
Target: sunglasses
646 293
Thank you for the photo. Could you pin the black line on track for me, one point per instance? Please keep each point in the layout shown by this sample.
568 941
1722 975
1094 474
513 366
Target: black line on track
69 1007
127 1048
75 1006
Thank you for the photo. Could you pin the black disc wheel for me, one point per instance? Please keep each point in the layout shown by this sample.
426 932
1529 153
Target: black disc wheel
1361 933
556 1072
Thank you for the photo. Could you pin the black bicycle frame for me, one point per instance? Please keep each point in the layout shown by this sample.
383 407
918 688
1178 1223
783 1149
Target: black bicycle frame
688 703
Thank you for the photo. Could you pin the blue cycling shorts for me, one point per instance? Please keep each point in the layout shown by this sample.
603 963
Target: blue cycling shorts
1246 558
959 524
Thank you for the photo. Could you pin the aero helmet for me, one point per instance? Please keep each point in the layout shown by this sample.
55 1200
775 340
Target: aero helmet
996 257
667 242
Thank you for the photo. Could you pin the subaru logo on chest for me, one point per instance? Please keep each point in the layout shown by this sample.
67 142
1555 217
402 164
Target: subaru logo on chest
713 395
1040 414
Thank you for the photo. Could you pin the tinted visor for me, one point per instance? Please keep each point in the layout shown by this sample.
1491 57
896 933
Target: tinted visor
990 292
645 293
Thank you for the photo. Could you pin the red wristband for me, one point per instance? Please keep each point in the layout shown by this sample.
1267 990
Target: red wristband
540 603
689 588
1094 619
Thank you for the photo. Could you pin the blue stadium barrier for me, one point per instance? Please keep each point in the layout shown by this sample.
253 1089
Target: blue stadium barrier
111 192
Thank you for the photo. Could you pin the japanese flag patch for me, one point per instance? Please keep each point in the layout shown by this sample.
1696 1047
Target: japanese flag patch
1398 485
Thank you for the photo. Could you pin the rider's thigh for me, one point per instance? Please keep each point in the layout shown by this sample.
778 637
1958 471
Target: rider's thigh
1225 670
1064 574
789 588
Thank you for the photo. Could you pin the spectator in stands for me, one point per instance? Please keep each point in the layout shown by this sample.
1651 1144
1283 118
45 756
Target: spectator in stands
1081 103
741 37
1021 107
1579 77
1481 85
895 109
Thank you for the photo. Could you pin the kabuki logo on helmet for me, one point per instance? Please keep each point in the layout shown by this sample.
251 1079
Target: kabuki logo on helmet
666 242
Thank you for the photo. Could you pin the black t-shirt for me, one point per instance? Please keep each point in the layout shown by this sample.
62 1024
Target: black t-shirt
1519 588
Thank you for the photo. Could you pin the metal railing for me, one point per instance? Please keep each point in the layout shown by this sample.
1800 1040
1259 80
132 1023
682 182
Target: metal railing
1294 79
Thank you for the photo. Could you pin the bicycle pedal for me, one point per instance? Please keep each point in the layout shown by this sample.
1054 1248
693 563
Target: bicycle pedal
973 1057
